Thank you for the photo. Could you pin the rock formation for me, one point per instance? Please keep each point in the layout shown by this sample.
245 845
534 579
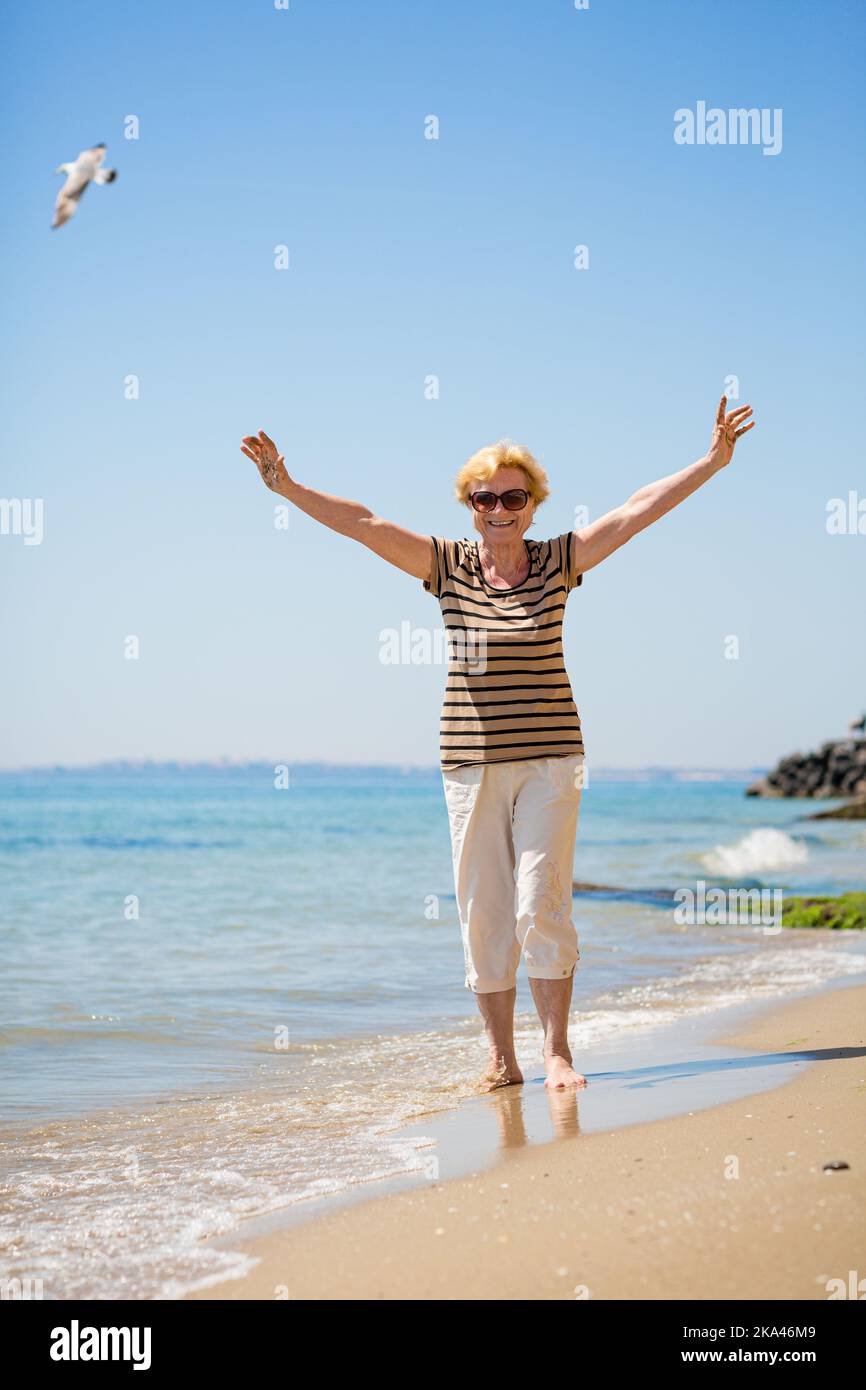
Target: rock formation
837 769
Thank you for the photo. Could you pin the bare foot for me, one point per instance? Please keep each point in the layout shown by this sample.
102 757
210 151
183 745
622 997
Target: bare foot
502 1072
560 1073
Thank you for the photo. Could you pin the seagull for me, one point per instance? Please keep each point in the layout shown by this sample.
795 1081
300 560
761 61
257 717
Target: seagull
85 169
857 726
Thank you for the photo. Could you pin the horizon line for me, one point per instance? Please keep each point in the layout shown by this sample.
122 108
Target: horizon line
231 764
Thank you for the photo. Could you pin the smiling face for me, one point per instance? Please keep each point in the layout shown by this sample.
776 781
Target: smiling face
501 525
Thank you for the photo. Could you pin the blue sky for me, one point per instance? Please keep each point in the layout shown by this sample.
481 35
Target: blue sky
410 257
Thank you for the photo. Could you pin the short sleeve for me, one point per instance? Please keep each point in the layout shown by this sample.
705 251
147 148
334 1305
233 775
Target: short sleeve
447 557
567 560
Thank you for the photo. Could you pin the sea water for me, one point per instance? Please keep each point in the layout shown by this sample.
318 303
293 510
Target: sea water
222 996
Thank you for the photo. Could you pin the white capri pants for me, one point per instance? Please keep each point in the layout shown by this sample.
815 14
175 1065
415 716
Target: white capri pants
513 826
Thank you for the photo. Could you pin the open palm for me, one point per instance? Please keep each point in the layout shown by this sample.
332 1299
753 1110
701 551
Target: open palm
727 430
271 465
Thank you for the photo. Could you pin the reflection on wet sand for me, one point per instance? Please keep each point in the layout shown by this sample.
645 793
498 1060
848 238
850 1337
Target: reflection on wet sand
626 1085
509 1114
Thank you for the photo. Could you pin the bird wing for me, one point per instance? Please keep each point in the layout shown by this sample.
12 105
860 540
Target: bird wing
78 177
67 199
93 156
85 168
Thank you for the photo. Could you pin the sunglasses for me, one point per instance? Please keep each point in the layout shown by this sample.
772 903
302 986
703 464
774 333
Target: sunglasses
514 500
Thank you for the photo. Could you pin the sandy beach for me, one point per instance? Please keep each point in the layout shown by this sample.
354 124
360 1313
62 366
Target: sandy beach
730 1202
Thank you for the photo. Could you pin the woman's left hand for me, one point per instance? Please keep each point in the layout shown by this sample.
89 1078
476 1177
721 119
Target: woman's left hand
727 430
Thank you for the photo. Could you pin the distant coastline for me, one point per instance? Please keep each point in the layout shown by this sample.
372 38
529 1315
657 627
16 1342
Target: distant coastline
155 766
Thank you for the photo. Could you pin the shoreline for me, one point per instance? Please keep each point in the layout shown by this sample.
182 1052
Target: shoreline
545 1217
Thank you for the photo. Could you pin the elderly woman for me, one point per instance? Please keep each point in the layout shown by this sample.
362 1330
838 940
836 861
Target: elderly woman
511 747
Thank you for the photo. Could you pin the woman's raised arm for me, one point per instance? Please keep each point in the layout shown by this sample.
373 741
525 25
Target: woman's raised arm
595 542
405 549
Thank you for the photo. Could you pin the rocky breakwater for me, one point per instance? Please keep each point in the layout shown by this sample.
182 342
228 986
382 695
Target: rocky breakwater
838 768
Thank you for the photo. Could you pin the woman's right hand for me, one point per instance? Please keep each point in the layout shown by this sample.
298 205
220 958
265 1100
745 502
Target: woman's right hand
271 465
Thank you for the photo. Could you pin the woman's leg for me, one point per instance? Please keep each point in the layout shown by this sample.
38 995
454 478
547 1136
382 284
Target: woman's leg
553 1000
545 824
479 800
497 1011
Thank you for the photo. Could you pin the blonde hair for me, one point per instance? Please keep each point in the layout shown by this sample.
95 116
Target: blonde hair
484 464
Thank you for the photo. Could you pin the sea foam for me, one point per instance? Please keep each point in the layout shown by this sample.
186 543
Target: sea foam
762 849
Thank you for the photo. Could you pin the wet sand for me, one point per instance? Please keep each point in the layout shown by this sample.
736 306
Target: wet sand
730 1201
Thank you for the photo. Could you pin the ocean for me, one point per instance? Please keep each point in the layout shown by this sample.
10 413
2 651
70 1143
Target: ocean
222 997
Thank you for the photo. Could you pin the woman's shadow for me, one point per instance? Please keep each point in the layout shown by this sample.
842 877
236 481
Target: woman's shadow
511 1106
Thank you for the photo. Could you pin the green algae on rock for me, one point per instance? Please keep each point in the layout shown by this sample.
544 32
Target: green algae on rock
844 913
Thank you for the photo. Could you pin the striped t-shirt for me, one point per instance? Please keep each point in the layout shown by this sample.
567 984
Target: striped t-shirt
507 695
